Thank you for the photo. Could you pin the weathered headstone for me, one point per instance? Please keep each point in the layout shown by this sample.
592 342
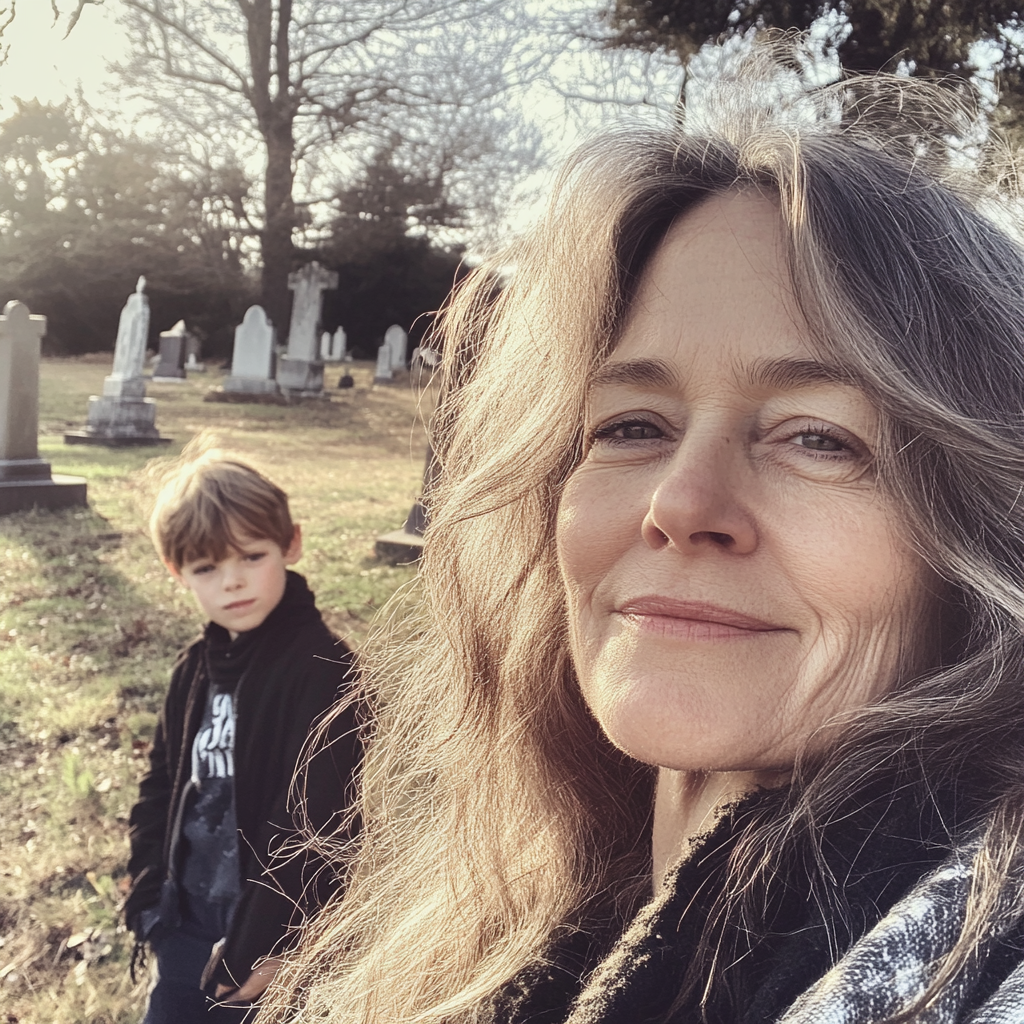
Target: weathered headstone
252 363
383 374
301 371
340 349
193 353
25 479
123 415
332 347
405 546
171 368
396 338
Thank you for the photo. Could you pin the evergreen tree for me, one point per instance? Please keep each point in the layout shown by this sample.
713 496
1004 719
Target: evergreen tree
934 39
85 210
389 270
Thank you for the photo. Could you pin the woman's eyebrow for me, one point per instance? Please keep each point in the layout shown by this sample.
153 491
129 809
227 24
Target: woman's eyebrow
637 372
783 374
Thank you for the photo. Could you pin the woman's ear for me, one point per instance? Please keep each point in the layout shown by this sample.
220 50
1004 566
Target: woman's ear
294 552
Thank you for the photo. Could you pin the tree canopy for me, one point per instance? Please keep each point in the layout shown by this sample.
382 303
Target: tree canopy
302 86
932 38
84 210
389 270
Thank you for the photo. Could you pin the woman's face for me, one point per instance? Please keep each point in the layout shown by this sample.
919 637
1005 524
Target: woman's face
734 576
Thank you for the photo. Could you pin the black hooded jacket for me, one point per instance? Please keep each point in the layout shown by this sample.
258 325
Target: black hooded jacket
297 671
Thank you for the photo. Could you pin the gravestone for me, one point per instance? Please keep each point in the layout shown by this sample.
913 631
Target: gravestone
332 347
396 338
341 352
193 352
171 367
405 546
123 415
301 370
252 362
383 374
25 479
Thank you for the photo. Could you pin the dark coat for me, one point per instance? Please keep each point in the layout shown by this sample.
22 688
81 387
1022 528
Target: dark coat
602 975
298 671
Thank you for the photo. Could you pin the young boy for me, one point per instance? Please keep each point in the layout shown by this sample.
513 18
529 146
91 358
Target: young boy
213 809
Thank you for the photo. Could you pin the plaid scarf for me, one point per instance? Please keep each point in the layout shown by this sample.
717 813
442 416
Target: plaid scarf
891 966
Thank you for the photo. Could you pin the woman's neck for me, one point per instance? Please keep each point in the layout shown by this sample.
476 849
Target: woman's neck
687 804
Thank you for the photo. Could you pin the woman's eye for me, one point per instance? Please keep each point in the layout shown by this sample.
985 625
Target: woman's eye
828 444
820 442
629 430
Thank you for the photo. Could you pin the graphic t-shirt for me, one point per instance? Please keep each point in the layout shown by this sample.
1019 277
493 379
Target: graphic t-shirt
210 866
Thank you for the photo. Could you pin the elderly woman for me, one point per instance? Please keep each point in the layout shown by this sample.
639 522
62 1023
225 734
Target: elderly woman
716 711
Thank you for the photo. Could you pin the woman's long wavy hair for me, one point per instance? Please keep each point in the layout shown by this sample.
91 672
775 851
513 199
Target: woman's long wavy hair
497 817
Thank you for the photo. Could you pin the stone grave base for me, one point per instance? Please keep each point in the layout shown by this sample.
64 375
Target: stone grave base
58 491
114 440
399 547
248 397
250 385
118 422
168 380
300 377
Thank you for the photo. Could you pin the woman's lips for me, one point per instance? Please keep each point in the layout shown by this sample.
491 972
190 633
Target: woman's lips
693 620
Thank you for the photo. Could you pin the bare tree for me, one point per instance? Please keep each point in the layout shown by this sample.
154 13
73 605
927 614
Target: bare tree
306 85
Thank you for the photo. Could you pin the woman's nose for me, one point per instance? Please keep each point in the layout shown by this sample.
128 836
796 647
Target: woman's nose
701 499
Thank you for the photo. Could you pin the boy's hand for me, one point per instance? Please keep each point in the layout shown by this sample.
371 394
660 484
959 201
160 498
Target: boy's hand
254 985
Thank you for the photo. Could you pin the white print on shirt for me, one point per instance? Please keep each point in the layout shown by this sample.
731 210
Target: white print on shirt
213 752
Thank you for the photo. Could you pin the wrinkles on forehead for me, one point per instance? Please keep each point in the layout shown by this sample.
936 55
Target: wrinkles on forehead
780 374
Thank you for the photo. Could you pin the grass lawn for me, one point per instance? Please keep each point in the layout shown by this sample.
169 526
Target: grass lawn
90 623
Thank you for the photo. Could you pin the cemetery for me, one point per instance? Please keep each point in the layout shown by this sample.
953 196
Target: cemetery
90 620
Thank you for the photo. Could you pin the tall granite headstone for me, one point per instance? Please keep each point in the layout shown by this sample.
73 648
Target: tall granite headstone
301 370
252 363
123 415
396 339
25 479
171 367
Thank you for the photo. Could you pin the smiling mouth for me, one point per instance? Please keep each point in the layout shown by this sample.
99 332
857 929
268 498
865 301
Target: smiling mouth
693 620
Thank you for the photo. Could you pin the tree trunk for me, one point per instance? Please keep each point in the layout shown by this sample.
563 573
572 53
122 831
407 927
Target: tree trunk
272 100
276 238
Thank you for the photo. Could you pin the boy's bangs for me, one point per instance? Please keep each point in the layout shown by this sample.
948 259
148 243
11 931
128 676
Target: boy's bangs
213 524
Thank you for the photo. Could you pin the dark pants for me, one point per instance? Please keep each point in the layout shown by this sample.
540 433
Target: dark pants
176 998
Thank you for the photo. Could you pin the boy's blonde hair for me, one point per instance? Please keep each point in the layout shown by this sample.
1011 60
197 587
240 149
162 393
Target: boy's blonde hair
214 502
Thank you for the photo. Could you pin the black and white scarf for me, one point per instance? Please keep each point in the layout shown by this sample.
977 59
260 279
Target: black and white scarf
892 965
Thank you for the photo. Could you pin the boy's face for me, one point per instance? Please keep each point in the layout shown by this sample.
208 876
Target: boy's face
243 588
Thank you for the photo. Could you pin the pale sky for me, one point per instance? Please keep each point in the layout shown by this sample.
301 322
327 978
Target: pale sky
43 64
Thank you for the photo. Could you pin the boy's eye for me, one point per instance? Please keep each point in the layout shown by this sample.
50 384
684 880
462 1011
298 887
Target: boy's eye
255 556
201 570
